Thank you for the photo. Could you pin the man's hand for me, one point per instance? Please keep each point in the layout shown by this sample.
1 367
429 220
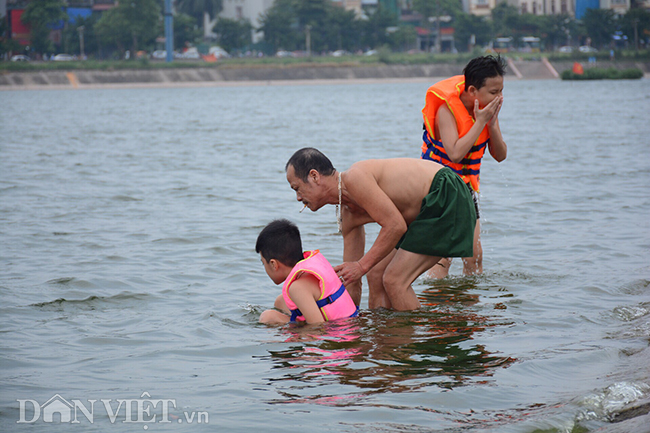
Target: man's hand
349 272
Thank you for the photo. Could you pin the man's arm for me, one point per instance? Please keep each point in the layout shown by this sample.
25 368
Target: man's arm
362 187
455 147
354 244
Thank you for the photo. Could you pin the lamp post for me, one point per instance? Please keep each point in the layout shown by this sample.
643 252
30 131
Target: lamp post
81 29
169 31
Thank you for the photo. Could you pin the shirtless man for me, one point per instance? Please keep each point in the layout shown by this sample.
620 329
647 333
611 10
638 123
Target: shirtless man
424 209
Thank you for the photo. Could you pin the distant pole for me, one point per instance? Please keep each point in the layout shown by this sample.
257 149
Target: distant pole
438 33
81 29
308 39
169 31
636 34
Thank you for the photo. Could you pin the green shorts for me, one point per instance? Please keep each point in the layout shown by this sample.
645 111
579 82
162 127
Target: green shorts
445 225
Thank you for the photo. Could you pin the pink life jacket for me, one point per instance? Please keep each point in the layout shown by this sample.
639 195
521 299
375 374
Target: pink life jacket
334 302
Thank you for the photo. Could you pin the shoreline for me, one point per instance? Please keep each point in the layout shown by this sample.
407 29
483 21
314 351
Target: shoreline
245 77
241 83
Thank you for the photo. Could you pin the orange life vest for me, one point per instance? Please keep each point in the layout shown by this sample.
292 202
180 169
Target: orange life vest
448 92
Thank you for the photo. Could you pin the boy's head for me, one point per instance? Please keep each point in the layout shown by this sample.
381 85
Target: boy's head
484 78
479 69
279 244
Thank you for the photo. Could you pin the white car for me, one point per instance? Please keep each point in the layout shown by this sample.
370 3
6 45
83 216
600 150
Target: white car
565 49
159 54
587 49
191 53
219 52
63 58
20 58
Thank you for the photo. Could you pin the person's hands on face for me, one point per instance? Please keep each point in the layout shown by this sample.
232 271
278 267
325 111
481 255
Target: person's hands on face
490 112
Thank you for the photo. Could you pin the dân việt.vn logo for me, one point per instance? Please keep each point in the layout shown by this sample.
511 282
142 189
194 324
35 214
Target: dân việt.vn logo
144 410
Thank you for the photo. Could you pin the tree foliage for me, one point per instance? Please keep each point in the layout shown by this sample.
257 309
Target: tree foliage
636 23
134 24
331 27
198 8
466 25
42 15
233 34
185 30
600 24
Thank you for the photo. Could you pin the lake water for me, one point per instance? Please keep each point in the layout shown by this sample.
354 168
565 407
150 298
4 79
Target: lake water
128 275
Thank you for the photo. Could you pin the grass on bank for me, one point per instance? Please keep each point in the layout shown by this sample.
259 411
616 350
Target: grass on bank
603 74
384 57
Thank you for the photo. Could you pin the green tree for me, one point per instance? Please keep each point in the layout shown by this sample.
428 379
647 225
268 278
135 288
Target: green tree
280 25
342 31
374 28
313 13
505 19
41 15
200 8
599 24
404 38
71 38
557 30
185 30
466 25
133 24
635 24
233 34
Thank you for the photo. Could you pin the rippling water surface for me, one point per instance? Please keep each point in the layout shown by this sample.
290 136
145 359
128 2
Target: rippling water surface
128 220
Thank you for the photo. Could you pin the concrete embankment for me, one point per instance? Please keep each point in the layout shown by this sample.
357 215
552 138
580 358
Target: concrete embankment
271 75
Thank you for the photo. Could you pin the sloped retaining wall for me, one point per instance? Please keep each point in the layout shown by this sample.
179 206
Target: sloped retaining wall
225 75
216 75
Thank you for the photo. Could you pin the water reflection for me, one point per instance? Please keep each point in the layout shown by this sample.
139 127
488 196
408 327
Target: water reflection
385 351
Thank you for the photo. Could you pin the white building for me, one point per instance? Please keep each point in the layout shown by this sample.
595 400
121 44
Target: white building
251 10
482 8
546 7
620 7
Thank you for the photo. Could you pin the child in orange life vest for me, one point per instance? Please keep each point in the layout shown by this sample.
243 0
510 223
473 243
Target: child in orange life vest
460 121
311 290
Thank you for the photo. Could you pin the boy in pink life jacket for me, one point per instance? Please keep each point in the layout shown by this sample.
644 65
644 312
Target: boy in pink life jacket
311 290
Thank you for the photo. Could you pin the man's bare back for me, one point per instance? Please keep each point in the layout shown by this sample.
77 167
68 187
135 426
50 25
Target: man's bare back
405 182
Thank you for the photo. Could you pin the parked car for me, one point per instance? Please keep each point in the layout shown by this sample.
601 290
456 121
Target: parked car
191 53
587 49
20 58
159 54
339 53
63 58
283 53
565 49
371 53
218 52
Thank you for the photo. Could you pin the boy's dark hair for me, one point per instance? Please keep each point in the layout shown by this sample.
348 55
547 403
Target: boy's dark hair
308 158
481 68
280 240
